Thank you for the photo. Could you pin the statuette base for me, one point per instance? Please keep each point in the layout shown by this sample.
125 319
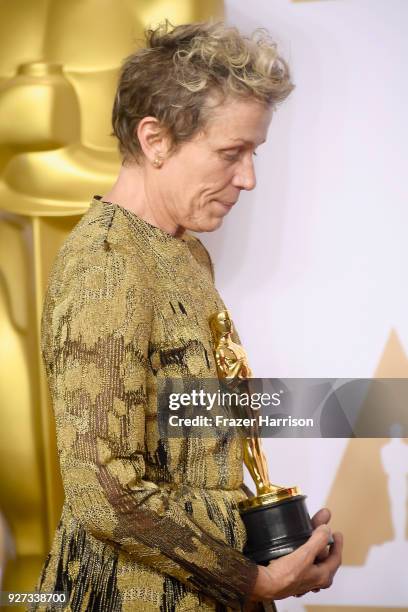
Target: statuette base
276 528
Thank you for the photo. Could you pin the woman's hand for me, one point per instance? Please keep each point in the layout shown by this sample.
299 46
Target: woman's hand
310 568
322 517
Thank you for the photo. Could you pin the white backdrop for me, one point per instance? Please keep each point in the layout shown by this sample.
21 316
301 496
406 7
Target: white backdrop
311 263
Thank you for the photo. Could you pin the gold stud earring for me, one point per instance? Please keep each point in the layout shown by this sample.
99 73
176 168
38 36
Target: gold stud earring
157 162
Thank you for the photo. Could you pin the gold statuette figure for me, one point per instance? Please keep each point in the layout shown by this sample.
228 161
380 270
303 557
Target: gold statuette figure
232 365
283 523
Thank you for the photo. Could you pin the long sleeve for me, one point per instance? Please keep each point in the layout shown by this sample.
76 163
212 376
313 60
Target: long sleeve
96 327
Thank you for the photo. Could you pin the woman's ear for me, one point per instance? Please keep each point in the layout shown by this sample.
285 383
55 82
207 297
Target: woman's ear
154 140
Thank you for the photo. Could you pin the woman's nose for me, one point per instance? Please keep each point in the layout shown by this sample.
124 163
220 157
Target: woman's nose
245 176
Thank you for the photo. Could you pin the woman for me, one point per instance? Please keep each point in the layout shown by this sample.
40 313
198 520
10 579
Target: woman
152 523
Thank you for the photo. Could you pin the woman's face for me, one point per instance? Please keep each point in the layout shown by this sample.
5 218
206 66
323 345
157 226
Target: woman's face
202 180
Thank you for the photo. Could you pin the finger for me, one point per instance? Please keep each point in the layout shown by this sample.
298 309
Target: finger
333 560
323 555
322 517
315 545
306 592
322 573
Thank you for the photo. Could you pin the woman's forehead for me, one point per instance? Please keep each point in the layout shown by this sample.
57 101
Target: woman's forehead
240 122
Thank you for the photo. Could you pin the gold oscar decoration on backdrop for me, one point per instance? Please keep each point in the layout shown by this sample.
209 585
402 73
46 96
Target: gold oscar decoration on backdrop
59 64
373 473
276 518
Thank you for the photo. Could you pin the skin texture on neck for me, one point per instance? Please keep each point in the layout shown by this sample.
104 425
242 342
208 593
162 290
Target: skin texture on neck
139 194
198 183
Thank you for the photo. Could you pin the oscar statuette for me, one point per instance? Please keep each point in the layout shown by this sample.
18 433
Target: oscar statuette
276 517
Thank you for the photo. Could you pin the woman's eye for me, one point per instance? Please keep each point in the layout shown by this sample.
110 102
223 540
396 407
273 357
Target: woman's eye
234 155
231 155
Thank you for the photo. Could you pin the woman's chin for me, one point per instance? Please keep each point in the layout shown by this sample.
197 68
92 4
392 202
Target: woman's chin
213 223
205 224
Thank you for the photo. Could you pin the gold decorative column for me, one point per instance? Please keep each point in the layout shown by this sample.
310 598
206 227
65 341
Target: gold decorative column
59 65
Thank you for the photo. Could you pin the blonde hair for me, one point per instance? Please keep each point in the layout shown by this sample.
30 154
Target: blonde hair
181 68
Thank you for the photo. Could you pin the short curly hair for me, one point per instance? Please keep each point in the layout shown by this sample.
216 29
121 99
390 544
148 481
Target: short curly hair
178 71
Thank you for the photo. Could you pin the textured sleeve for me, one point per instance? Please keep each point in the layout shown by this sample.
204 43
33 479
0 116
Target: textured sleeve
95 335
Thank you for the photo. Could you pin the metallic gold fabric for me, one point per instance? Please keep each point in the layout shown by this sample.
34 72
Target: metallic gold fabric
148 523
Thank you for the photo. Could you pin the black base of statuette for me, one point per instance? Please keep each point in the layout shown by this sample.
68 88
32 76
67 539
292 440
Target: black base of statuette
276 529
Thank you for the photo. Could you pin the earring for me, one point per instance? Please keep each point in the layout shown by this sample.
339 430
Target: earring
157 162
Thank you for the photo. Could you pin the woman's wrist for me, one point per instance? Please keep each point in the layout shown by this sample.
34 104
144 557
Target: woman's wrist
262 588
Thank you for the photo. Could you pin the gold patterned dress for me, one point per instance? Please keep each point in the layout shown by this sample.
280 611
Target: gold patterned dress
148 523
